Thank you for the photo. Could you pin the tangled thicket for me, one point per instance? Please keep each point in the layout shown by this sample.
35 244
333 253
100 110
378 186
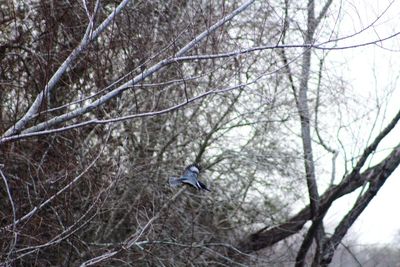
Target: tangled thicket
98 194
115 175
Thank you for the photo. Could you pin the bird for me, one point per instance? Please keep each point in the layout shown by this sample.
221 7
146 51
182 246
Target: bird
189 177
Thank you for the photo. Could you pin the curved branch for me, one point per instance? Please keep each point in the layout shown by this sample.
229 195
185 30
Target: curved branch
134 238
382 174
105 98
55 195
267 237
37 130
88 37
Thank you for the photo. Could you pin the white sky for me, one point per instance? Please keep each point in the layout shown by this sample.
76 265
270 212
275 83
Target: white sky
371 70
381 220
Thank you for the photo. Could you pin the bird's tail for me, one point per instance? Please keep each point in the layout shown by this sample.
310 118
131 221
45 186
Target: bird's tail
175 182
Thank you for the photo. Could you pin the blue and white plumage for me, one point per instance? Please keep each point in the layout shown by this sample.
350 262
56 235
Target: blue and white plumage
189 177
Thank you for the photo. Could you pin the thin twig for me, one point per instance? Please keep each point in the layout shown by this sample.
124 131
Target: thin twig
132 239
14 241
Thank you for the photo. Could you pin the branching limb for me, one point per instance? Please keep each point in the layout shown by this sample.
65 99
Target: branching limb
105 98
134 238
67 232
316 230
266 237
362 202
37 130
88 37
59 192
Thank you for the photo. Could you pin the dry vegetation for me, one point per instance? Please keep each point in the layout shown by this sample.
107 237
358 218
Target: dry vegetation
91 189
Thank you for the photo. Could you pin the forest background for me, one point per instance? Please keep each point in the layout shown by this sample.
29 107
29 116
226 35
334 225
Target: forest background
291 108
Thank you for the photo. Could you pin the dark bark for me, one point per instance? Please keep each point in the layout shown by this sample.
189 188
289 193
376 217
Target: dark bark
380 177
267 237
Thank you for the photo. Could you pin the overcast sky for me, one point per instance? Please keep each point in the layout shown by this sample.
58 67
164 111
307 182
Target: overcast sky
373 71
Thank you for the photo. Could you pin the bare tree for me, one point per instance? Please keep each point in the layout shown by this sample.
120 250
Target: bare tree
102 101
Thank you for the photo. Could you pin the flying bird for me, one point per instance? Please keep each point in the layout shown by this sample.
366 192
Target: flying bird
189 177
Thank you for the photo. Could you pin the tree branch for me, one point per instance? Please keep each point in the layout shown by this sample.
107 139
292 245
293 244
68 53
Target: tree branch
37 130
266 237
88 37
303 111
133 239
14 224
59 192
375 184
90 106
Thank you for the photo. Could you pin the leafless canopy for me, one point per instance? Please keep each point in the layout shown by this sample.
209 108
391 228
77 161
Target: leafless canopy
102 101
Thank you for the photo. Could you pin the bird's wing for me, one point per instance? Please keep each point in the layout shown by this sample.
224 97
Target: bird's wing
190 178
203 186
174 182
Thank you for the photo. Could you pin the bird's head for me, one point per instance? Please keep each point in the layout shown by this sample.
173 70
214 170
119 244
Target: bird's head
195 167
